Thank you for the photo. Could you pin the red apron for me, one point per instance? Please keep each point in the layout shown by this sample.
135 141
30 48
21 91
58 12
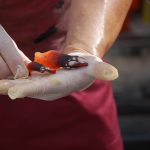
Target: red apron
85 120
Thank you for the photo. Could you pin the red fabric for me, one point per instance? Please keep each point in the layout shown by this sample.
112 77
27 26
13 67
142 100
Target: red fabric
85 120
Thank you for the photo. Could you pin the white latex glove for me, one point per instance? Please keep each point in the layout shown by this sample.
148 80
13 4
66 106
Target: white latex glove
12 60
50 86
64 82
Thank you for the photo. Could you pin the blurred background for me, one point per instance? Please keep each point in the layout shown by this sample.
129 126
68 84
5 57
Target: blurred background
131 55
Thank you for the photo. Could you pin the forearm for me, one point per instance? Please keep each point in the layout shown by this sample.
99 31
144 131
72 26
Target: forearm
94 25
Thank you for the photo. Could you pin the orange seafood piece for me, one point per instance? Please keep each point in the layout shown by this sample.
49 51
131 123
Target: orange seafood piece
49 59
52 60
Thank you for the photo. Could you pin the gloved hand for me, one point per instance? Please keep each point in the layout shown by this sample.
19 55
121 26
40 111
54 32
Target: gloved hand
50 86
64 82
12 60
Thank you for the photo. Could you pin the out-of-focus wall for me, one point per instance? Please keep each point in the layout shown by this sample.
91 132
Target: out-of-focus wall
131 55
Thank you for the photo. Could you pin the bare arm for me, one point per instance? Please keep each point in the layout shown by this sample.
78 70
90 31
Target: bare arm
95 24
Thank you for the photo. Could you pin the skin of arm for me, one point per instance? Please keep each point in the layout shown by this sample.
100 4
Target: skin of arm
94 25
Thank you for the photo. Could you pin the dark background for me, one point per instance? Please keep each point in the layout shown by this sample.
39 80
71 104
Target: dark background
131 55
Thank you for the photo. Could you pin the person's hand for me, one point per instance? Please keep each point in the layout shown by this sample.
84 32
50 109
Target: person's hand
64 82
12 60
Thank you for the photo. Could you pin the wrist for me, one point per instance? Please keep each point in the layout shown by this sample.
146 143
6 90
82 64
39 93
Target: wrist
77 49
86 48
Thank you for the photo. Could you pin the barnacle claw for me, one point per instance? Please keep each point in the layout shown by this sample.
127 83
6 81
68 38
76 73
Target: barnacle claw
52 60
34 66
72 62
56 60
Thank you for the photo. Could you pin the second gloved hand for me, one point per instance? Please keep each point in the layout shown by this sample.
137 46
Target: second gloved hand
64 82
